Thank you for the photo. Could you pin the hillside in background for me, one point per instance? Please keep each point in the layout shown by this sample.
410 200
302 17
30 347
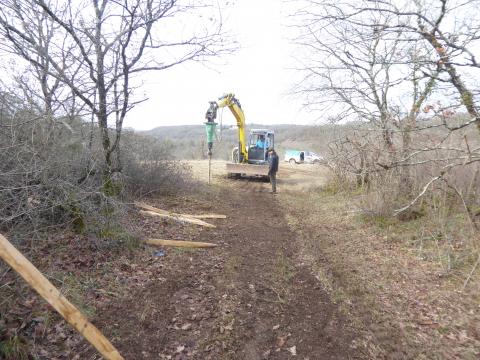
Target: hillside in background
189 141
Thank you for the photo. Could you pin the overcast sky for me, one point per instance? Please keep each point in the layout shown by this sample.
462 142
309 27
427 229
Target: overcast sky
257 74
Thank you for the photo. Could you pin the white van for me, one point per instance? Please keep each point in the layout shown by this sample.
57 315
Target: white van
302 156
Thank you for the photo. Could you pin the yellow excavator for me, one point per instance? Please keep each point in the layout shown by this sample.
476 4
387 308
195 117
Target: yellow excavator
250 157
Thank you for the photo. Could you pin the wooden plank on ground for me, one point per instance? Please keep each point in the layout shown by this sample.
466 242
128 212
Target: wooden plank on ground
53 296
160 211
179 218
206 216
180 243
147 207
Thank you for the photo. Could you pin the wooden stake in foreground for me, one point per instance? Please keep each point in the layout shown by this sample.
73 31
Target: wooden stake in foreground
51 294
179 243
209 168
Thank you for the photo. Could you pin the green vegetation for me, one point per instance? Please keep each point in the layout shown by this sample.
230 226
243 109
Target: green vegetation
14 348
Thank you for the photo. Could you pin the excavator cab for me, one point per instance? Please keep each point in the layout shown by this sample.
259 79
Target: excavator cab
259 142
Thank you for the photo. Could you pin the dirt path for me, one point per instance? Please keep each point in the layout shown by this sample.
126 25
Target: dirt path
254 296
251 298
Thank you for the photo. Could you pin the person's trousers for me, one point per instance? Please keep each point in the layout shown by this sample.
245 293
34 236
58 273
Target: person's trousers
273 181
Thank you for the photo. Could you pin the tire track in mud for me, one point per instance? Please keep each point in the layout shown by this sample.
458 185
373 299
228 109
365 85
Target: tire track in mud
279 308
250 298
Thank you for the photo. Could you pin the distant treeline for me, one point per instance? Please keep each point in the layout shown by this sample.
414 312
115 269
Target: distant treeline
189 141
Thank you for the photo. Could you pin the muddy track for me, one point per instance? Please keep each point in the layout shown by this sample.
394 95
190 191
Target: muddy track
251 298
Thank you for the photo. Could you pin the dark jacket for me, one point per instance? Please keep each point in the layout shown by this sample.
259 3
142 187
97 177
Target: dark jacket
272 163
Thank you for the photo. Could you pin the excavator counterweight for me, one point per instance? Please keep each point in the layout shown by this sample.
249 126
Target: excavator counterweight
246 169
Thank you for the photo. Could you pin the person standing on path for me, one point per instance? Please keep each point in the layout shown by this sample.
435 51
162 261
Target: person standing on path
273 168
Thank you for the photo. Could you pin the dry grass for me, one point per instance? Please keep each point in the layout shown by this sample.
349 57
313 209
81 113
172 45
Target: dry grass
291 178
401 282
200 170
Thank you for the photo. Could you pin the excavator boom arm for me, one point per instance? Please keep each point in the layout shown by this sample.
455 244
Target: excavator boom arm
230 101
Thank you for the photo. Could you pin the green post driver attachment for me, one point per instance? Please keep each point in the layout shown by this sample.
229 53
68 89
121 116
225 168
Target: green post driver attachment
210 125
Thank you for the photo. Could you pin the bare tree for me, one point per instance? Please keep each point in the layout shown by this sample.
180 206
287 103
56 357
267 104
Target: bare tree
449 29
389 64
98 49
363 73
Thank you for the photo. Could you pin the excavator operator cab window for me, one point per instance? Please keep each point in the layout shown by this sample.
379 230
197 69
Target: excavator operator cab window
258 141
257 148
270 143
